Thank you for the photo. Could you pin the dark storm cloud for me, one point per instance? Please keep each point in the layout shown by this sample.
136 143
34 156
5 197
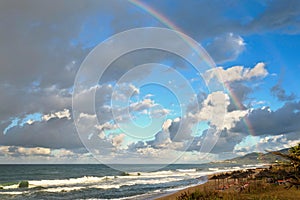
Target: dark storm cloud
181 130
40 34
44 134
280 93
238 93
224 141
226 48
192 16
21 101
42 47
266 122
279 15
37 38
227 141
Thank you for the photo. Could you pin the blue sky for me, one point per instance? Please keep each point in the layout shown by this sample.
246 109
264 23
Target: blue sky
150 105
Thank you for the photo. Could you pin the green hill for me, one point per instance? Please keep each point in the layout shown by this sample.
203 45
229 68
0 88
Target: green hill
255 158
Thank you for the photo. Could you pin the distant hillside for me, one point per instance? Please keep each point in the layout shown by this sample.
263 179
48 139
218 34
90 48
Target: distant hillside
255 158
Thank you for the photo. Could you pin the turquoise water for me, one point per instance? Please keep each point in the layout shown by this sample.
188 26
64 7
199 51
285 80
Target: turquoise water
98 181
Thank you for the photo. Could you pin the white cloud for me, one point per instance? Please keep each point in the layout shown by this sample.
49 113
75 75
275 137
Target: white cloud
30 121
236 73
34 151
213 109
86 116
62 153
123 91
25 151
117 140
269 143
4 150
232 117
166 124
142 105
59 114
106 126
159 112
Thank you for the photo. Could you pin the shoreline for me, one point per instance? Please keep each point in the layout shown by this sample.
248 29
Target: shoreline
201 187
196 179
189 189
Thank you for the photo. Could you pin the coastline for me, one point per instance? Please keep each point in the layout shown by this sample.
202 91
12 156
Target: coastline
189 189
174 182
209 185
258 185
175 194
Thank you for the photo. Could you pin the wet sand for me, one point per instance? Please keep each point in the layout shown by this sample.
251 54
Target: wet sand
171 196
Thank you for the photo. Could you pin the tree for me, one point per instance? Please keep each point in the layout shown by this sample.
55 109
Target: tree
295 151
293 156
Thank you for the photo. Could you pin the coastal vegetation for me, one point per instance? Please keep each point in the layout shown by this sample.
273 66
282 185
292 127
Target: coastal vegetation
279 181
23 184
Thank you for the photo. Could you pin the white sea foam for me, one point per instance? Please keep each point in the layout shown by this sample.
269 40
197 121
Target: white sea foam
136 181
158 173
256 166
110 182
11 186
62 189
161 174
186 170
13 192
71 181
213 169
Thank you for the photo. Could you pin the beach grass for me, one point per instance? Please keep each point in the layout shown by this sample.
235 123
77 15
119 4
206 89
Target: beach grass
257 190
8 184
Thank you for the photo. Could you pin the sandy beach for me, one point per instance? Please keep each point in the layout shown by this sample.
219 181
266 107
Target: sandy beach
235 189
174 195
210 185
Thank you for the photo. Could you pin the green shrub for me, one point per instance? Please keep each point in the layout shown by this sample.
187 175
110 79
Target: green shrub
23 184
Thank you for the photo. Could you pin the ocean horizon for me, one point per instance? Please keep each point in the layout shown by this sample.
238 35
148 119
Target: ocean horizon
98 181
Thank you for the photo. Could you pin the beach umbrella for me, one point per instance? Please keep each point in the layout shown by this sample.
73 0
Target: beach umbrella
218 177
245 174
239 174
235 175
268 174
259 175
251 171
281 174
214 177
264 174
225 176
222 176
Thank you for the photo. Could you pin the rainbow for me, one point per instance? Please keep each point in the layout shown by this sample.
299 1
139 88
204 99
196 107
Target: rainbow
240 106
168 23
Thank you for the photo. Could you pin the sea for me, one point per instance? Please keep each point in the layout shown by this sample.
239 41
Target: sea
97 181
